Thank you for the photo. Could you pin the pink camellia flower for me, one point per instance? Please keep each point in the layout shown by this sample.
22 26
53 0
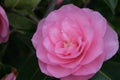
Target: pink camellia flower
4 26
72 43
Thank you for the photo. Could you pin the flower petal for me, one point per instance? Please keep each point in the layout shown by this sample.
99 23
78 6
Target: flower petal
42 54
58 71
111 43
37 37
72 77
97 21
96 49
48 45
43 68
90 68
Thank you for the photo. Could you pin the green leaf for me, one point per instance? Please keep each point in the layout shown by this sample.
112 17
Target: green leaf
22 4
109 71
20 22
28 4
3 48
11 3
101 76
112 4
112 69
115 24
29 69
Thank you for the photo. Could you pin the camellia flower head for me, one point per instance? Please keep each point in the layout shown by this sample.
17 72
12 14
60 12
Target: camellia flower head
4 26
72 43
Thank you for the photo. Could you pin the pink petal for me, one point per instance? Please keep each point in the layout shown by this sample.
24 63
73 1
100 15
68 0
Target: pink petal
54 35
42 54
56 60
111 43
70 32
90 68
97 21
95 49
74 64
58 71
50 23
37 37
72 77
43 68
66 63
48 45
37 41
80 19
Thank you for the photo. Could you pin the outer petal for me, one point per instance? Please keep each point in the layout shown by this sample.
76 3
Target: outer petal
43 68
97 21
72 77
42 54
51 23
111 43
38 34
90 68
58 71
37 41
